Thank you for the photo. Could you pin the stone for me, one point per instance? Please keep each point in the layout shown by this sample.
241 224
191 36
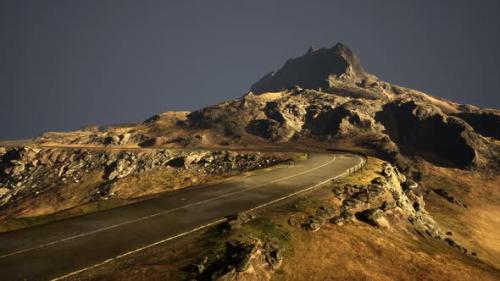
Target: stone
324 213
18 168
345 216
244 262
199 267
3 191
176 162
409 185
373 217
338 191
293 221
455 245
273 254
449 197
312 224
236 221
387 170
378 180
5 199
388 205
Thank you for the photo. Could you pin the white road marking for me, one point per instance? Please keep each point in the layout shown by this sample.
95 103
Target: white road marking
139 249
158 214
203 226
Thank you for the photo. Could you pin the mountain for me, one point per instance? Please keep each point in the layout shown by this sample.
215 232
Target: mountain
314 70
431 175
324 97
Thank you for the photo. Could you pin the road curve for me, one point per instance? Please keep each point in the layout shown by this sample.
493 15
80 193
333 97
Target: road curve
64 248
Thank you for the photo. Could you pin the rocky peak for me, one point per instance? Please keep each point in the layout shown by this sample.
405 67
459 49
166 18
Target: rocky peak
313 70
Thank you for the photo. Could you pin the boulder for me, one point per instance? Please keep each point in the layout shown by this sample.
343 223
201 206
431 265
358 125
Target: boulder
345 216
236 221
373 217
409 185
312 224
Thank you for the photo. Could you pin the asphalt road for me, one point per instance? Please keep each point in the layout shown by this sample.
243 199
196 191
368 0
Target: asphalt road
64 248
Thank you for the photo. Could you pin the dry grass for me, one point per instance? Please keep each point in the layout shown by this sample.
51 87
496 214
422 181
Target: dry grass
478 225
361 252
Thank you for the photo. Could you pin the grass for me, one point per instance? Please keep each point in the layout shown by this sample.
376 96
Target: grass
477 227
19 223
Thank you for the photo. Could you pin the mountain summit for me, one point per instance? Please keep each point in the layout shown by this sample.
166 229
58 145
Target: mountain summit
315 69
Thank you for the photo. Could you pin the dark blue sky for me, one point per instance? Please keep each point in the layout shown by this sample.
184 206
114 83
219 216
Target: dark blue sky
67 64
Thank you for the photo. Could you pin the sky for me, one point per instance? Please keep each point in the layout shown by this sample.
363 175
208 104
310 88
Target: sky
68 64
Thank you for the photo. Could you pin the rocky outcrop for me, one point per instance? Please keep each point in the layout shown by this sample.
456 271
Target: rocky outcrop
485 122
448 196
27 172
401 126
389 201
313 70
243 260
415 126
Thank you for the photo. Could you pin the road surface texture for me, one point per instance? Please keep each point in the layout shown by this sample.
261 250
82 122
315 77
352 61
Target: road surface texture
64 248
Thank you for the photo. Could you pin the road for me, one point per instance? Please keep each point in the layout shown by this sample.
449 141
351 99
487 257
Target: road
64 248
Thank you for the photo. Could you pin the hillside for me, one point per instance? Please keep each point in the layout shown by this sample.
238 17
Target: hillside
430 183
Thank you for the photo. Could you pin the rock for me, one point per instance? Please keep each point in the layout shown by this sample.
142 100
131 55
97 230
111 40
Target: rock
387 170
244 262
338 191
409 185
120 169
450 198
324 213
379 181
486 122
236 221
124 139
388 205
176 162
18 168
293 221
240 254
374 217
415 123
313 70
5 195
345 216
5 199
3 191
454 244
312 224
245 259
199 267
273 254
3 151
